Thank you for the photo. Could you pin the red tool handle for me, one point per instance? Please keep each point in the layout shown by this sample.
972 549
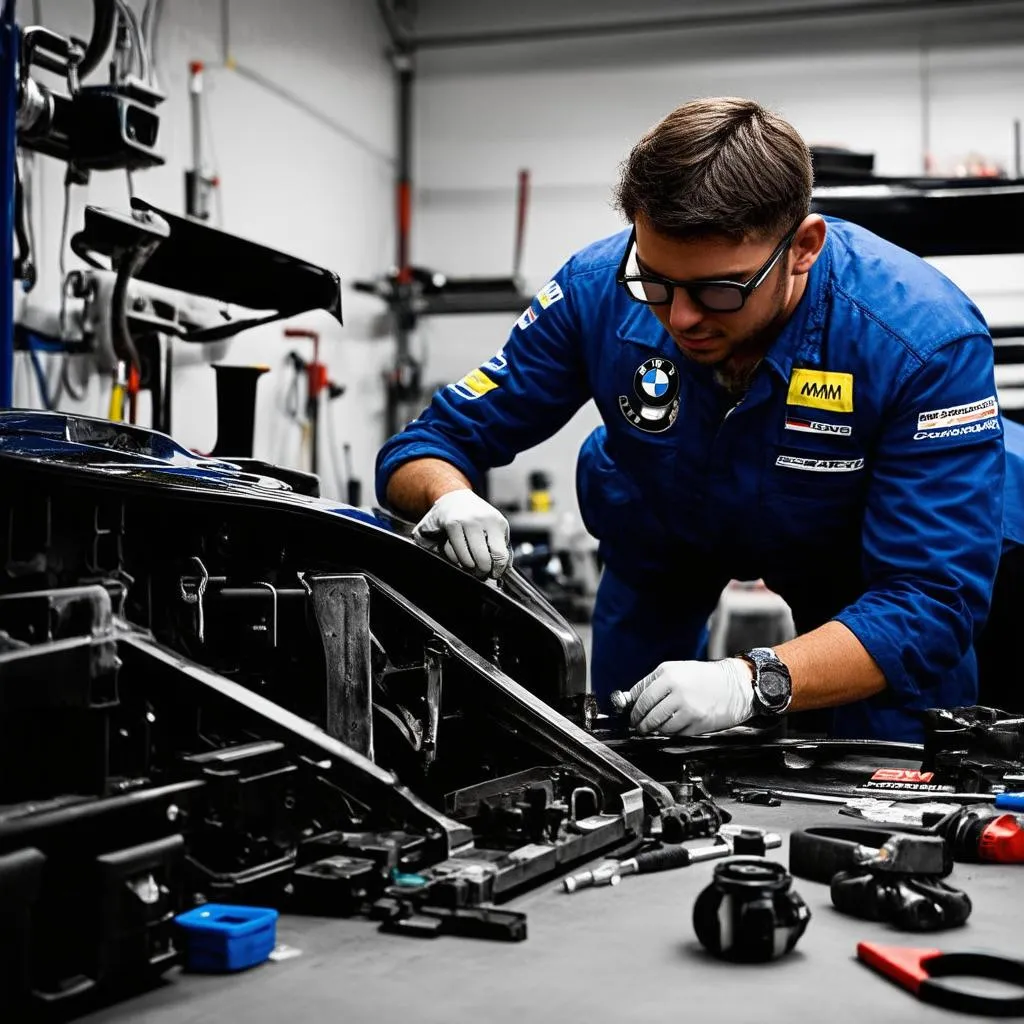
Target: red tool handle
133 387
1002 841
316 378
904 966
934 976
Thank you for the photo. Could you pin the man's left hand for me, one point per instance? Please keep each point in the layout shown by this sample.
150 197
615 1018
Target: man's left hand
692 697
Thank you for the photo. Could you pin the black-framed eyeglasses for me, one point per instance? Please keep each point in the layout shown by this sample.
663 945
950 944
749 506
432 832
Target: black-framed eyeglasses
713 296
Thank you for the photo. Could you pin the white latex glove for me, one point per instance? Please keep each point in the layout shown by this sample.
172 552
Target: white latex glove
472 534
692 697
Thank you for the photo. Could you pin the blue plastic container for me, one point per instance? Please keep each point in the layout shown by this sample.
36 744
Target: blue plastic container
224 937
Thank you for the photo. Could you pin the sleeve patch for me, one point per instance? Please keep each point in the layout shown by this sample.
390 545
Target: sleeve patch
474 384
549 294
961 431
526 319
497 363
958 416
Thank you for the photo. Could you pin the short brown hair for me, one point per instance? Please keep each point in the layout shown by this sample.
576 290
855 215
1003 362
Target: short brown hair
719 166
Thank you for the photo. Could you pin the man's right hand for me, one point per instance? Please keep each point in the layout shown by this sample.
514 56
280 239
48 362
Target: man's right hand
472 534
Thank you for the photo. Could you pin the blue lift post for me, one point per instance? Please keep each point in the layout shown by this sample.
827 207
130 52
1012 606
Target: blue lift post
10 47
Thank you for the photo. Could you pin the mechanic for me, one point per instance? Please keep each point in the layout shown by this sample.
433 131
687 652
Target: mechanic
784 397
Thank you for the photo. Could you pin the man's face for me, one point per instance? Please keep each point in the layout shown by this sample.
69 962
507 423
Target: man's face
712 338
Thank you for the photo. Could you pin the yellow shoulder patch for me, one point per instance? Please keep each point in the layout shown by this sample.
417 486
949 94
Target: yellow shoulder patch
478 382
821 389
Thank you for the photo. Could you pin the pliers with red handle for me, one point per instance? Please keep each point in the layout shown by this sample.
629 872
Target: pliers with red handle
931 974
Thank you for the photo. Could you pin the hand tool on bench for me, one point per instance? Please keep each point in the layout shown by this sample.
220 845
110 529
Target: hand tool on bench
729 840
932 976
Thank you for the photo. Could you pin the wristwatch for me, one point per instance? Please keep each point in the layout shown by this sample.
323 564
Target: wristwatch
773 687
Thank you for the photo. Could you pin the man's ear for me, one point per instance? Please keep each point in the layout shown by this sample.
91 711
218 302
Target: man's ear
807 243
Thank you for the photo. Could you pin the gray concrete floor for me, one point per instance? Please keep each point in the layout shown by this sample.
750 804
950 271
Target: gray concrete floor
612 954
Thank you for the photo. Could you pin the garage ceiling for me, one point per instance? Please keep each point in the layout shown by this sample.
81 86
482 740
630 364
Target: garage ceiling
477 35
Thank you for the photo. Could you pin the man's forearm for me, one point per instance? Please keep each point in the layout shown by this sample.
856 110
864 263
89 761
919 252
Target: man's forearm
416 485
829 666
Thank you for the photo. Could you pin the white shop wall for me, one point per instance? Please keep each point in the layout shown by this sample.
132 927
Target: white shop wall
318 187
571 128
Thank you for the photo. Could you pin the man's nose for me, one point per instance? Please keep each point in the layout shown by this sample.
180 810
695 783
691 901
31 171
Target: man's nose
684 313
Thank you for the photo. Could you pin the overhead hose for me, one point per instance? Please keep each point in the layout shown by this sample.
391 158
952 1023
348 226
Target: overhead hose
104 20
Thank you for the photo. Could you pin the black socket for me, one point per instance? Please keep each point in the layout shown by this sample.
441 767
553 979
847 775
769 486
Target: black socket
749 913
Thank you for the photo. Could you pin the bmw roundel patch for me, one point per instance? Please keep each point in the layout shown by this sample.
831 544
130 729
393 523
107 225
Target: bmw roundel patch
654 402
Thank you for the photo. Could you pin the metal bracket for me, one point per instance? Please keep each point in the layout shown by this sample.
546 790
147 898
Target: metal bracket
341 605
273 610
192 591
113 536
435 654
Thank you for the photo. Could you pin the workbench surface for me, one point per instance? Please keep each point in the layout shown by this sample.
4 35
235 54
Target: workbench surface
626 953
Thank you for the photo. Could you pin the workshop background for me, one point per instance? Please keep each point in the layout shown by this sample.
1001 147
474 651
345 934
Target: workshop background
235 699
300 129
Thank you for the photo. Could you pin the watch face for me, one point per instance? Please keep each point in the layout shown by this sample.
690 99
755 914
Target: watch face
773 688
773 685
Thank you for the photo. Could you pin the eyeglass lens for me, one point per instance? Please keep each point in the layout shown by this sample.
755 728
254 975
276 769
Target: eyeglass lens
721 298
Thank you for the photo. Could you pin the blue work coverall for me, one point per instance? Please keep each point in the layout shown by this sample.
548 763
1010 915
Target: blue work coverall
861 476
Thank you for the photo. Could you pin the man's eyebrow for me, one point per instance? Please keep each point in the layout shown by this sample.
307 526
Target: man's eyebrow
736 276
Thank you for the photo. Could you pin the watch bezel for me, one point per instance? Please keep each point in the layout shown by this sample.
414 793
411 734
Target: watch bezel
764 660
